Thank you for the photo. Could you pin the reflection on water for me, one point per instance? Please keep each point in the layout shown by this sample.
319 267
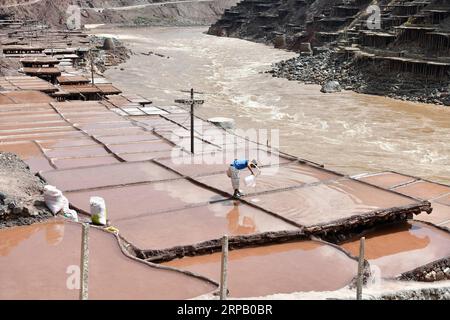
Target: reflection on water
327 202
10 238
402 247
243 219
37 262
283 268
186 192
239 223
350 132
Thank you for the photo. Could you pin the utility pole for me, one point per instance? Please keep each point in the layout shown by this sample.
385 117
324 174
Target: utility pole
84 264
360 281
224 270
192 102
52 45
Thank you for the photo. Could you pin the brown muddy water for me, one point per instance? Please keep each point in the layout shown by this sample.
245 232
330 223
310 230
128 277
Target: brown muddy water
283 268
145 198
398 248
40 262
349 132
190 226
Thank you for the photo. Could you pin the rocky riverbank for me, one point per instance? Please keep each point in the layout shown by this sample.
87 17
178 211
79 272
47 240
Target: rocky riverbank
327 65
111 52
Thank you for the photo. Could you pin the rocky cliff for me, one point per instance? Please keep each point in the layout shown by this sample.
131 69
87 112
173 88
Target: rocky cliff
130 12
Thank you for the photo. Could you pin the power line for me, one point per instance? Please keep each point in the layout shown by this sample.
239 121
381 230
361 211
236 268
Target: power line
193 102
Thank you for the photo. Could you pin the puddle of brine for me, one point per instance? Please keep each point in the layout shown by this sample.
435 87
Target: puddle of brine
283 268
41 262
399 248
195 225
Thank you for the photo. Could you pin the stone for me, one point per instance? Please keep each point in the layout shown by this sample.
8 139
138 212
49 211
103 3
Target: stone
305 47
447 272
11 205
331 86
446 101
279 41
2 197
431 276
25 211
226 123
440 276
33 213
17 210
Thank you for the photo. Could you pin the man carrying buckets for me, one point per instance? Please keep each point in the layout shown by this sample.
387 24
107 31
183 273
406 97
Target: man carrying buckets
233 173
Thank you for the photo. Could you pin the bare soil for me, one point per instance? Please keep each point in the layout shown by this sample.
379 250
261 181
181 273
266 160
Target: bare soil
21 193
134 12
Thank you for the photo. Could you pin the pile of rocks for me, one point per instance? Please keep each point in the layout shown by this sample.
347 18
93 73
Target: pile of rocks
21 198
315 69
437 275
352 74
111 52
435 271
438 293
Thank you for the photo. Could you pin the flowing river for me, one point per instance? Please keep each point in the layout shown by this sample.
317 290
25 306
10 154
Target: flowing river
348 132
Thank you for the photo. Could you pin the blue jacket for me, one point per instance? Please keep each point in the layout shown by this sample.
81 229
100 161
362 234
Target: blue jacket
240 164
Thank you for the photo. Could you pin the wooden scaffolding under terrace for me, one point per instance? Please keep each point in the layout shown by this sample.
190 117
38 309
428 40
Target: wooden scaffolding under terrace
17 49
376 39
412 33
438 43
422 68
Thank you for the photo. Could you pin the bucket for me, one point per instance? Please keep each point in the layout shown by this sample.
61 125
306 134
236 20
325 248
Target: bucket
250 181
98 211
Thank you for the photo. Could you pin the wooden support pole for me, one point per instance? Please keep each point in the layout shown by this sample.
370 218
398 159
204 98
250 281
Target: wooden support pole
192 102
360 269
192 121
84 264
224 270
92 67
